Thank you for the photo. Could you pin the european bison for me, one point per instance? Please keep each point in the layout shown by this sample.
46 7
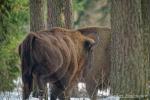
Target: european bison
97 77
56 56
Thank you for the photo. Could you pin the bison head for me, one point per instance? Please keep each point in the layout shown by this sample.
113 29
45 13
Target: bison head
90 39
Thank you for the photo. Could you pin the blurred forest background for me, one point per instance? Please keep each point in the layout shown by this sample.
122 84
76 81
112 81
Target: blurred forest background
130 39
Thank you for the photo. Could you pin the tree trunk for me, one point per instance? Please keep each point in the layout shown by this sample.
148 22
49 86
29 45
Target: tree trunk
68 14
37 15
146 15
36 23
55 13
127 69
146 35
59 14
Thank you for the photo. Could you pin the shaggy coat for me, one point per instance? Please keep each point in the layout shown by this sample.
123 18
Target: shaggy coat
56 56
97 76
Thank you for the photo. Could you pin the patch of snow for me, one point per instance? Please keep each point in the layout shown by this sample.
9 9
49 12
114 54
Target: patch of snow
81 86
111 98
104 92
16 94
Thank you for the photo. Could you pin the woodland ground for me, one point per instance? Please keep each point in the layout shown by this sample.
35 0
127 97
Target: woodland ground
16 93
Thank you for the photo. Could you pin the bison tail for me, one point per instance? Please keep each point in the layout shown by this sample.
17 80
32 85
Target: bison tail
25 53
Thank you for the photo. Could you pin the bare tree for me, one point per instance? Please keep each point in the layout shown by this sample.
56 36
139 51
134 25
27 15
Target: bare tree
127 57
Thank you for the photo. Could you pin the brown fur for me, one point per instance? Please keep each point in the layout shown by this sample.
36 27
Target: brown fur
97 77
56 56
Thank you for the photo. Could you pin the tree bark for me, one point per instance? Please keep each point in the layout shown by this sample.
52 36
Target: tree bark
146 15
68 14
55 13
127 57
36 23
37 15
145 5
60 14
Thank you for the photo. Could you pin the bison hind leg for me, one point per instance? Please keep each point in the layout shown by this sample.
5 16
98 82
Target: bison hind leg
57 91
27 86
42 85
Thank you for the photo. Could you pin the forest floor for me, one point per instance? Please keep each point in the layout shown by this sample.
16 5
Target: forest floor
16 93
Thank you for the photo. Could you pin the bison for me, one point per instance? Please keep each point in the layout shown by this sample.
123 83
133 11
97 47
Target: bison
98 76
57 56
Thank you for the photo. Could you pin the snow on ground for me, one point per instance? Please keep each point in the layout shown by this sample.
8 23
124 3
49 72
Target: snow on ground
17 93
